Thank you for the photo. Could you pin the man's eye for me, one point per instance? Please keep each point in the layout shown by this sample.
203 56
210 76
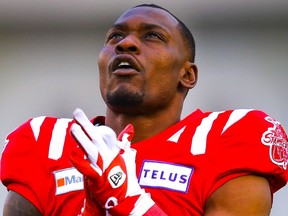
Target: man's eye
115 35
153 35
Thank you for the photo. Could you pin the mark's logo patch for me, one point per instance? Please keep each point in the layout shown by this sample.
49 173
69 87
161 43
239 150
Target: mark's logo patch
165 175
276 138
68 180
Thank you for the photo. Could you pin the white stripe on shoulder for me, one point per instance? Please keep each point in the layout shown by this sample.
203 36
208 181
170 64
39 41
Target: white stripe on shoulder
175 137
58 138
199 140
234 117
36 124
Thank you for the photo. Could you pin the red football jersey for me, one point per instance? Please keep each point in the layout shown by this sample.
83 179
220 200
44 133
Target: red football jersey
35 164
179 167
184 164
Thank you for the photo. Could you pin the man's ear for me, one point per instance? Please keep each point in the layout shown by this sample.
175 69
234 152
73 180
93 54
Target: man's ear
189 76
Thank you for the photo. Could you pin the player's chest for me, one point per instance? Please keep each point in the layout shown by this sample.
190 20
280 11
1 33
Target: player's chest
171 173
165 166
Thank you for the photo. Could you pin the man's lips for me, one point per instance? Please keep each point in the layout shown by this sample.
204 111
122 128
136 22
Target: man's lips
125 65
125 72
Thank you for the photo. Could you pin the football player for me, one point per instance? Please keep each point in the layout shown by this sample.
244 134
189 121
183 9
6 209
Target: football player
209 163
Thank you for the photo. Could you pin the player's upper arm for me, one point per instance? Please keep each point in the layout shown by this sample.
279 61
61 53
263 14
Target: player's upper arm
17 205
242 196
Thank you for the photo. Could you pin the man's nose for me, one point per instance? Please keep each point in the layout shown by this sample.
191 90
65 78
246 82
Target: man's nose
128 44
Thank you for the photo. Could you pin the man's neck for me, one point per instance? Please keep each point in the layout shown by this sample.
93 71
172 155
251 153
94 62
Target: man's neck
145 126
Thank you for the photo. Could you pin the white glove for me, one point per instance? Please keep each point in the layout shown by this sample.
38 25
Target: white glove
109 168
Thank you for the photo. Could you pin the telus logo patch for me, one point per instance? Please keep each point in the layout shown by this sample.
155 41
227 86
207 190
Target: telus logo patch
165 175
68 180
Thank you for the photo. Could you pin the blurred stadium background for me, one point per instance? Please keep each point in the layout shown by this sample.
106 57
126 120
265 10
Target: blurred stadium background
48 58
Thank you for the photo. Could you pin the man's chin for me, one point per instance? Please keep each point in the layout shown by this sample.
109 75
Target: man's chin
124 99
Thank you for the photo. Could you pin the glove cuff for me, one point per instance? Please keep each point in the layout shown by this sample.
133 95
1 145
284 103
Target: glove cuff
133 205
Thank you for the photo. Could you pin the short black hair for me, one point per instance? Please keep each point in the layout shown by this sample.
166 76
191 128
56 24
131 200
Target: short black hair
182 28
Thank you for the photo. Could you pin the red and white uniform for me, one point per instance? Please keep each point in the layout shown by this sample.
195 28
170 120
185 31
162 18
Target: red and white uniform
35 164
179 167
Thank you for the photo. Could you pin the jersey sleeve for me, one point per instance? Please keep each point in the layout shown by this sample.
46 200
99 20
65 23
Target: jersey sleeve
253 144
19 162
35 163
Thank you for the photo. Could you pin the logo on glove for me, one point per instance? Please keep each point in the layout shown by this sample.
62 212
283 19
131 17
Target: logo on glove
116 177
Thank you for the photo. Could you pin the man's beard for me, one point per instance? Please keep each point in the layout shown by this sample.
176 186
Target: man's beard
124 98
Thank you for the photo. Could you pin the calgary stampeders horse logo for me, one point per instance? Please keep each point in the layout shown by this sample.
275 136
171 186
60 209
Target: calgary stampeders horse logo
276 138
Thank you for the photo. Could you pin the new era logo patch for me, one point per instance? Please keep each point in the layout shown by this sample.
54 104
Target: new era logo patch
116 177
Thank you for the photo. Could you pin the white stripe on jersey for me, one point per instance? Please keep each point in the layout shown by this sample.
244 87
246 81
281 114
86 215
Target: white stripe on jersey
235 116
200 137
176 136
199 141
35 125
58 138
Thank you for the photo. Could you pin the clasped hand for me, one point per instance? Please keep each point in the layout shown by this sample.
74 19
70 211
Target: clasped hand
108 166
